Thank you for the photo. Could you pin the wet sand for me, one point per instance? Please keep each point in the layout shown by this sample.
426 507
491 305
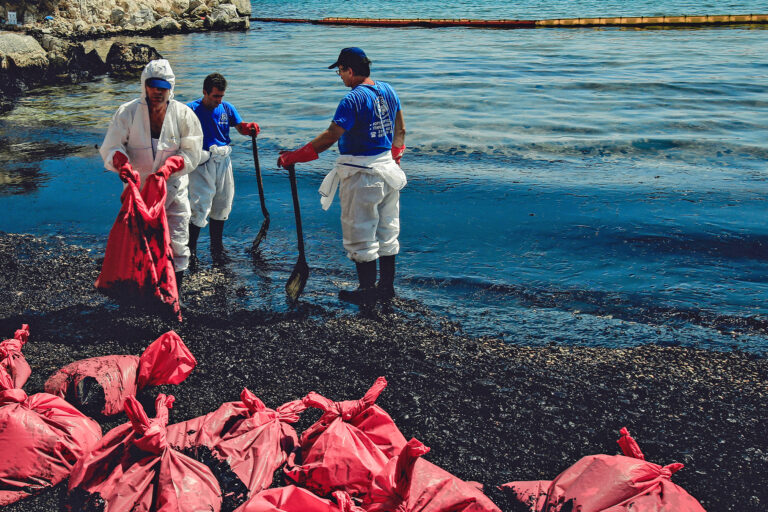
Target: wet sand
490 412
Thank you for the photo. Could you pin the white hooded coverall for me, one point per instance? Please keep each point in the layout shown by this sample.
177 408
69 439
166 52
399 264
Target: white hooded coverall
181 134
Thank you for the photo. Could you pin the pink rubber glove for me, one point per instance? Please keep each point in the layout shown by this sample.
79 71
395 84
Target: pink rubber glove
304 154
251 128
172 164
397 153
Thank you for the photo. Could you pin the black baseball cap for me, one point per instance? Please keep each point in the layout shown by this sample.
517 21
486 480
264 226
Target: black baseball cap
350 56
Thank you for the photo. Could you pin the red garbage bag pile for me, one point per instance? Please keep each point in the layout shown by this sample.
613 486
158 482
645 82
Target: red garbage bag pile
134 468
243 443
138 263
610 483
298 499
41 439
13 360
352 441
101 384
409 483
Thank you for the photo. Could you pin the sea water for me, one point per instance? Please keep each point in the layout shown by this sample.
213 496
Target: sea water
602 187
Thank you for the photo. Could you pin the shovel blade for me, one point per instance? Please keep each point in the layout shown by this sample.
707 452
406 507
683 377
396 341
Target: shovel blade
261 235
298 279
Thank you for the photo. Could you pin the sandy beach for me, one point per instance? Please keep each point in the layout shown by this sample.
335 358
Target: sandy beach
491 412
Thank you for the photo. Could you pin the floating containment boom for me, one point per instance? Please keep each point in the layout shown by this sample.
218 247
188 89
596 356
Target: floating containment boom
629 21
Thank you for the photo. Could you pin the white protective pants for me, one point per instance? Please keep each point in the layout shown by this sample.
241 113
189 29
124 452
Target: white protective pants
369 191
212 187
177 213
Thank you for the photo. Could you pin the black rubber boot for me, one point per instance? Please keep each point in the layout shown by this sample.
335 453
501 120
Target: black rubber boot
365 294
216 230
385 289
179 280
194 234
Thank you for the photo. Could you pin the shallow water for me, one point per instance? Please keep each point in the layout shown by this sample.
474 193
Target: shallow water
600 187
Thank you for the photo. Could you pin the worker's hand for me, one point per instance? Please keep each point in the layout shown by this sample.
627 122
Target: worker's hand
127 174
249 128
119 159
172 164
175 163
397 153
304 154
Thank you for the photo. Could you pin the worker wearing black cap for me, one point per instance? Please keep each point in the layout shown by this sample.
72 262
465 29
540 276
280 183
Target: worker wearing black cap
370 129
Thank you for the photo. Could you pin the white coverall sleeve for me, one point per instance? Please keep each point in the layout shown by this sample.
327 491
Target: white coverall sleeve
191 145
116 137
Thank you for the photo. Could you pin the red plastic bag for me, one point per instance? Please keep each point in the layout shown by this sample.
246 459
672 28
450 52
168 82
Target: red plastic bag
138 263
41 438
13 360
409 483
133 468
296 499
245 439
101 384
349 444
613 483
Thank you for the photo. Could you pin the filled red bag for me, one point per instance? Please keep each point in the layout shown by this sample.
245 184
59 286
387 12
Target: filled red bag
41 439
610 483
409 483
351 442
243 439
133 468
138 263
13 360
101 384
297 499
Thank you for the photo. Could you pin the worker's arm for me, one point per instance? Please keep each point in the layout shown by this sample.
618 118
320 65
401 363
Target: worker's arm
398 140
311 150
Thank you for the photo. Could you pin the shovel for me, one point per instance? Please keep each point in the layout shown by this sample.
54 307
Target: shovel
264 225
298 279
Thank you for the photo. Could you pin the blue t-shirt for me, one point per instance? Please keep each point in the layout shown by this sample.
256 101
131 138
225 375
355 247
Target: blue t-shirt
215 122
367 114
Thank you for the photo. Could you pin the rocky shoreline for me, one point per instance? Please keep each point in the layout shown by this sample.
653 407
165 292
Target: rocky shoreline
491 412
47 48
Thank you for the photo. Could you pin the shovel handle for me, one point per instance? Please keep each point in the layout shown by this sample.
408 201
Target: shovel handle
258 174
296 209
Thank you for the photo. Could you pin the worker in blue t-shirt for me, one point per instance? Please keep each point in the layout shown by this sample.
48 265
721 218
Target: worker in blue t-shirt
212 184
370 129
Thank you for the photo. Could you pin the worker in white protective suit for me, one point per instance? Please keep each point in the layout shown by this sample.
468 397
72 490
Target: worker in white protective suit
154 131
212 185
370 129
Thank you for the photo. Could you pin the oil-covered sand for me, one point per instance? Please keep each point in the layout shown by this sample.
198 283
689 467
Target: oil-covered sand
490 412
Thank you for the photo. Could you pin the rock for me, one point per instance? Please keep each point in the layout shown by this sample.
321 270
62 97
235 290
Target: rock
194 4
179 7
95 63
129 59
117 16
200 11
166 25
224 17
142 17
22 62
243 6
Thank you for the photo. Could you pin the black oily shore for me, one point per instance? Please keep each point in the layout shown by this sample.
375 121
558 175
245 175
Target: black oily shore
490 412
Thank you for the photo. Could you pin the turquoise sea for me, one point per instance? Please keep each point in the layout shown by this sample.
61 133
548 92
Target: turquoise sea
602 187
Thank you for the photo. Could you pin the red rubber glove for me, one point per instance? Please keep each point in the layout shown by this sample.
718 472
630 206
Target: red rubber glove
397 153
303 154
127 173
172 164
119 160
250 128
